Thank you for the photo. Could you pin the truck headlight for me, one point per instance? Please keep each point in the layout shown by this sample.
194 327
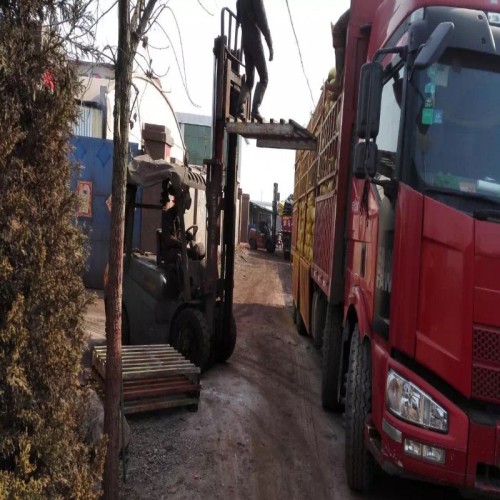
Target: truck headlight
405 400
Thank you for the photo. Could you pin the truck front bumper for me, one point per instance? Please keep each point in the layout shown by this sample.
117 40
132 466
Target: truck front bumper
471 447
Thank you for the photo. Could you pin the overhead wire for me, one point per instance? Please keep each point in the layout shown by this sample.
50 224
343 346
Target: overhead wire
300 52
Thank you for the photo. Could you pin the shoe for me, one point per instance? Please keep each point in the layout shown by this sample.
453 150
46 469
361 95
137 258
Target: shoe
257 116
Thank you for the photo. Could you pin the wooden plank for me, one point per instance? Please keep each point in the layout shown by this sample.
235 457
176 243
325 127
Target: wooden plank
156 373
151 367
158 391
142 406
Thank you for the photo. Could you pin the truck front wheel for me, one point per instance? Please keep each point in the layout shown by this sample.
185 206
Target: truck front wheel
331 376
360 465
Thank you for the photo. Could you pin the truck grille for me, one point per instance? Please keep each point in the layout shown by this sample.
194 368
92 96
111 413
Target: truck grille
486 365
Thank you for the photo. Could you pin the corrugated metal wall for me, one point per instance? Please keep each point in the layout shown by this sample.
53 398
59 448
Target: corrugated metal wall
96 158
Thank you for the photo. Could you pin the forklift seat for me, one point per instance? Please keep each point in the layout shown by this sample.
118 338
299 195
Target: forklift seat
195 251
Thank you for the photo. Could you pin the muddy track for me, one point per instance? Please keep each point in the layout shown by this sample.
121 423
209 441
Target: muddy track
260 431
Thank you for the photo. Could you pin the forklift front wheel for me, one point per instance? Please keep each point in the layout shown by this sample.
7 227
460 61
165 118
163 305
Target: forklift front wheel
226 346
253 244
191 336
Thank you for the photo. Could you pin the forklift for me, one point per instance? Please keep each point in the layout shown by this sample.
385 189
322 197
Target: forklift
197 320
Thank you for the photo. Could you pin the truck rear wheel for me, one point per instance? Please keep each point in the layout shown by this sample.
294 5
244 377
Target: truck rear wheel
299 322
360 465
318 318
191 336
331 376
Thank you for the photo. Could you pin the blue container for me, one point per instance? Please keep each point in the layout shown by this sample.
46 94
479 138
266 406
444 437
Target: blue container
96 159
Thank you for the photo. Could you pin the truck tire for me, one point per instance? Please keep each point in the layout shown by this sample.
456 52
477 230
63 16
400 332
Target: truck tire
299 323
331 377
318 318
191 337
253 244
226 346
360 465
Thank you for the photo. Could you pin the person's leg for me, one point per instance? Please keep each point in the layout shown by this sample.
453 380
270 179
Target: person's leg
260 90
247 86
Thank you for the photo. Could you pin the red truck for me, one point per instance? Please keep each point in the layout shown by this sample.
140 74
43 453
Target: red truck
396 242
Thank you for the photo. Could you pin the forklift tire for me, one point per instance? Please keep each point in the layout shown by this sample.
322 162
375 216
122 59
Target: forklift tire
226 346
191 337
294 314
286 254
331 376
270 247
253 244
125 327
360 465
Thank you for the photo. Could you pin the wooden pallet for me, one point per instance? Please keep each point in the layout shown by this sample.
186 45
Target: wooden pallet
154 377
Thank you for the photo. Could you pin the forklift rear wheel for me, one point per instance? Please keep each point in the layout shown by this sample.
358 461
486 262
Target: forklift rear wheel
253 244
360 465
191 336
270 247
226 345
286 254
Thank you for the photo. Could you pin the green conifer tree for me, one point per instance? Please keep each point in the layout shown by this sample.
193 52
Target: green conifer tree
42 260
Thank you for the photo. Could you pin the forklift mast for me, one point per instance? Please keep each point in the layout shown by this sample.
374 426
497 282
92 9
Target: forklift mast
221 189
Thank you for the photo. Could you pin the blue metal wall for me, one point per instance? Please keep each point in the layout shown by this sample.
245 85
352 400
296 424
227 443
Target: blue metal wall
96 159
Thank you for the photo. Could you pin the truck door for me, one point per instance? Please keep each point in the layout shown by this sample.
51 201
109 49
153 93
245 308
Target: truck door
384 200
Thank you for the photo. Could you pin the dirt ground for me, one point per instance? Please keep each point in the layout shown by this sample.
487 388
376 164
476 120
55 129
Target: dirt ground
260 431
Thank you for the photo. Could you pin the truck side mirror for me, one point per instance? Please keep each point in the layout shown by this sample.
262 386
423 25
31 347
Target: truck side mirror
365 160
369 101
435 46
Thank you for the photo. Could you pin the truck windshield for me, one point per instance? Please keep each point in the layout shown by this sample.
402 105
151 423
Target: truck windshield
456 143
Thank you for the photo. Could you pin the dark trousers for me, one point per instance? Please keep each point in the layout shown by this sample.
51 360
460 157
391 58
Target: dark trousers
255 59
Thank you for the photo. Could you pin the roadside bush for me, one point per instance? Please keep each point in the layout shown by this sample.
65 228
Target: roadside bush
42 260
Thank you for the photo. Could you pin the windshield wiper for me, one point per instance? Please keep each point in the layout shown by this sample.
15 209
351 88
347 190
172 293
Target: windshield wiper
462 194
487 214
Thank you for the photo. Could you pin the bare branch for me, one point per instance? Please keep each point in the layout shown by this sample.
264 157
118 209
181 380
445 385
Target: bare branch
205 9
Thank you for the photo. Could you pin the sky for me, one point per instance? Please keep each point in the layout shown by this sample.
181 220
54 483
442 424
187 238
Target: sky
287 95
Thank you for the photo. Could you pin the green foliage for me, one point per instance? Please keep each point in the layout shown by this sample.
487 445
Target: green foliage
42 260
